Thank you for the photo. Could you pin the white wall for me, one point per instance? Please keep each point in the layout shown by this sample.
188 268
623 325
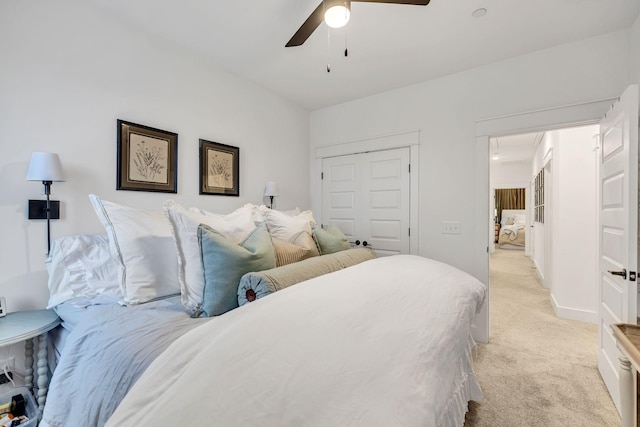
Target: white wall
634 48
445 111
68 72
574 225
510 175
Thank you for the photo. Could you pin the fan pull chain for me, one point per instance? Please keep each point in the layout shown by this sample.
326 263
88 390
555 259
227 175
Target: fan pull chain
346 50
328 50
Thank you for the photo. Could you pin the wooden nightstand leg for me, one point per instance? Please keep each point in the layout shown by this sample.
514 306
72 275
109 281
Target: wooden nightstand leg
43 372
28 363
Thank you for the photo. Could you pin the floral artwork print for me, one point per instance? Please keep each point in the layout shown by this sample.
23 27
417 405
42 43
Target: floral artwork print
220 171
148 159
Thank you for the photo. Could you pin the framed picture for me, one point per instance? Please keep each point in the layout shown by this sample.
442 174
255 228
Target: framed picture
147 158
219 169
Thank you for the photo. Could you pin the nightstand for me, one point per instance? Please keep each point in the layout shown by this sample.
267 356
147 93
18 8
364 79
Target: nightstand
31 327
497 232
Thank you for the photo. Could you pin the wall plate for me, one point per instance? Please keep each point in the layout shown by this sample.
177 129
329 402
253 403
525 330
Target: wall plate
38 209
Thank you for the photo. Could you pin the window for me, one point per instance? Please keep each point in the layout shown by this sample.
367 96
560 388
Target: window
539 197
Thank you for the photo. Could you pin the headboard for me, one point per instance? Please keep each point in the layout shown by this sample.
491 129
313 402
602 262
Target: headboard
519 216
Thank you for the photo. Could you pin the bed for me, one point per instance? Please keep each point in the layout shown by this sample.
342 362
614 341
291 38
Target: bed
512 229
367 341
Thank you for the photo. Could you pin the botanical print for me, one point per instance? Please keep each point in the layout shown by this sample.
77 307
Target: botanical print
148 159
220 171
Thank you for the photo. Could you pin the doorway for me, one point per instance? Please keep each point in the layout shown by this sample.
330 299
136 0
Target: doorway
559 169
534 121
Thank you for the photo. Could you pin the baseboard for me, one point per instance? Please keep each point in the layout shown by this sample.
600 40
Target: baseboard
540 275
573 313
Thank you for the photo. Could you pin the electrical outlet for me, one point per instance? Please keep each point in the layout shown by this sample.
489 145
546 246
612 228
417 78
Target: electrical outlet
450 227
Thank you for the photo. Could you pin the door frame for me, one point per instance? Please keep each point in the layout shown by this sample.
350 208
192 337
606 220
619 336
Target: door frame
587 113
409 140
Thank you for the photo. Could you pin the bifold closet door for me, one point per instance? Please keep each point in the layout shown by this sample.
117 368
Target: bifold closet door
367 196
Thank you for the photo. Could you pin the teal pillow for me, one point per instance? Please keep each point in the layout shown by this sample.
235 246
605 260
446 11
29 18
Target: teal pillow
330 240
225 262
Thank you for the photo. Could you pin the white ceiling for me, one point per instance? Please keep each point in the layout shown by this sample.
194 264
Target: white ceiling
514 148
390 46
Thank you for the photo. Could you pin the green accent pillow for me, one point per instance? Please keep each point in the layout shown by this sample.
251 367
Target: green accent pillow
330 240
225 262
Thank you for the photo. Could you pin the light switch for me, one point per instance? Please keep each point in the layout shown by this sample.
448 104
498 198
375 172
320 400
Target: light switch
450 227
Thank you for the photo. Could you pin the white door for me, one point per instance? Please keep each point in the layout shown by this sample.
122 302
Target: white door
617 229
367 196
341 201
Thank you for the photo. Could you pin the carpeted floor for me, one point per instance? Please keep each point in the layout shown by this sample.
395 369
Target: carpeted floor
538 369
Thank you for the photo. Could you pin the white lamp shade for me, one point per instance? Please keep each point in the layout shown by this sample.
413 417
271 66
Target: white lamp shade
337 13
45 167
271 189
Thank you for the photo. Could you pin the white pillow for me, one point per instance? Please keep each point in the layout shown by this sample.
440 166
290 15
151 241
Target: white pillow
184 224
81 267
143 243
293 229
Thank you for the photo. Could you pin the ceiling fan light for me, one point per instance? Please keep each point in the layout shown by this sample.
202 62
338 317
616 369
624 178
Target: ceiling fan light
337 13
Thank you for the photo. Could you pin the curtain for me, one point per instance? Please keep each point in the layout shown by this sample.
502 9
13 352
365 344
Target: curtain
509 198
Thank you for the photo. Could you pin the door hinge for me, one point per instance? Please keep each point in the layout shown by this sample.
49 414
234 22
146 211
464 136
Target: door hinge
409 231
409 167
632 276
321 175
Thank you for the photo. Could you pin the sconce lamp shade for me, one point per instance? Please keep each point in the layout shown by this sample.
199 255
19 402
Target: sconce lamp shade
45 167
271 189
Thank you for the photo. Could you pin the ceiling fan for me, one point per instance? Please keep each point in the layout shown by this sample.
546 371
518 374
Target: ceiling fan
336 14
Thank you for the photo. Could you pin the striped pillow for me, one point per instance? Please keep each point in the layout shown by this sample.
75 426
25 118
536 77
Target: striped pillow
288 253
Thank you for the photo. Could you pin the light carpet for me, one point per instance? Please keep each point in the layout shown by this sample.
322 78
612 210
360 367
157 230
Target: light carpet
538 369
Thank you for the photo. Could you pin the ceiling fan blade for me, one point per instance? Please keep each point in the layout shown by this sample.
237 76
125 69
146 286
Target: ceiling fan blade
313 21
413 2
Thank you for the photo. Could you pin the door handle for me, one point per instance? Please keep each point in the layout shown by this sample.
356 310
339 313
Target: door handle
622 273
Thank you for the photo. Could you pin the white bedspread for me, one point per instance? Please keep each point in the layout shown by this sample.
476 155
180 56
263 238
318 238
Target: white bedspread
383 343
512 231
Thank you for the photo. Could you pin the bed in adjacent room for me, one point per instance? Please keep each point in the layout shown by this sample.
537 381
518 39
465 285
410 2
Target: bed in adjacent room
512 229
269 321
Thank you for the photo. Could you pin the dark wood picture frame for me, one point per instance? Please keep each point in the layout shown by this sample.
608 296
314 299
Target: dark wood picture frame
147 158
219 169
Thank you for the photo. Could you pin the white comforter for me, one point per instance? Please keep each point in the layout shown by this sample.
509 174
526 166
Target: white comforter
512 231
383 343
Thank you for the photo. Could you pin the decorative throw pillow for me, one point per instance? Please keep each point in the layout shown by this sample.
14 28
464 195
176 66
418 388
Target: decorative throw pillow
259 217
288 253
225 262
258 284
330 240
184 224
510 220
293 229
143 243
81 267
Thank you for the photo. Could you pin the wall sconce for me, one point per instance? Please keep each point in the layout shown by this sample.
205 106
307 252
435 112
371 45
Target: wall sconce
271 190
45 167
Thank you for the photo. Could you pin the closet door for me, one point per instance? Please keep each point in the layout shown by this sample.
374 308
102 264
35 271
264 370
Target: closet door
385 210
341 200
367 196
